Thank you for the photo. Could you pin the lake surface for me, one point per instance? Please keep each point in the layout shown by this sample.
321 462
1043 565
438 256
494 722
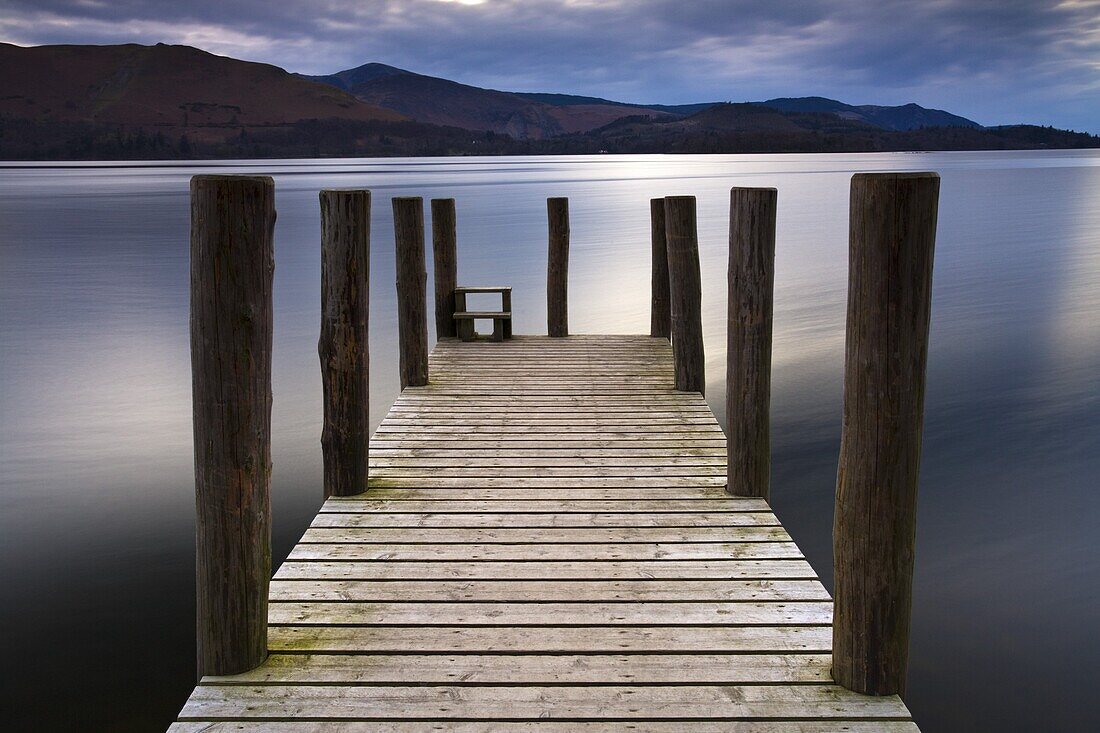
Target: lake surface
96 530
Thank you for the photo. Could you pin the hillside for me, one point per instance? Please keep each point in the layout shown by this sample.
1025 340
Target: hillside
443 102
172 90
167 102
900 118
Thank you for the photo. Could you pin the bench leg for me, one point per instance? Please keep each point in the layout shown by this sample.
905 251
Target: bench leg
506 306
465 329
498 329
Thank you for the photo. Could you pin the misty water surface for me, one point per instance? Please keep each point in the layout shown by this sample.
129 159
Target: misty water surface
96 493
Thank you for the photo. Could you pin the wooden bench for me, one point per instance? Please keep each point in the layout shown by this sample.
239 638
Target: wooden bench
502 319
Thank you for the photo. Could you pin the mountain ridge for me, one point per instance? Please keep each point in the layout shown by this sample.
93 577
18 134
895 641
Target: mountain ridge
164 102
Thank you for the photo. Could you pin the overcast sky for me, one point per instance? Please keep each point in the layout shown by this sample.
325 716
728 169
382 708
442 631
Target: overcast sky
995 61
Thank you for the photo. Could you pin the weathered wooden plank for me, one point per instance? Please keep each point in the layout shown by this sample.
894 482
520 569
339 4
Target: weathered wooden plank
538 482
527 535
464 460
688 613
552 639
545 520
548 570
555 507
521 591
496 726
572 493
690 702
544 669
557 551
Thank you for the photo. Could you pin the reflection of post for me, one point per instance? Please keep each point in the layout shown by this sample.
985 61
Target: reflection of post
343 345
892 237
557 269
749 340
445 265
660 319
232 265
685 293
412 315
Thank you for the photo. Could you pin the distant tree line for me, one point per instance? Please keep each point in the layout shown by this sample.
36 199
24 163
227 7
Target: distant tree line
22 139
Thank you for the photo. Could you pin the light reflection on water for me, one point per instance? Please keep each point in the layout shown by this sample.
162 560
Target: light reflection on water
95 441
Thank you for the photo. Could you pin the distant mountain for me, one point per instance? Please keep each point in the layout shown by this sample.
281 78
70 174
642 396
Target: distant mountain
443 102
171 89
165 102
904 117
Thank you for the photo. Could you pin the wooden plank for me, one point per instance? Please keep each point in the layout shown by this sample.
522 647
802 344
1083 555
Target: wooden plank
496 726
420 503
536 535
545 669
546 520
332 702
557 551
548 570
688 613
571 493
543 591
553 639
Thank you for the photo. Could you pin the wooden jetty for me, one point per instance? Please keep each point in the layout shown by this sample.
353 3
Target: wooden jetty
548 542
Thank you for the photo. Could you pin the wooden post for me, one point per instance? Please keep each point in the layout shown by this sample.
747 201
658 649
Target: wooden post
444 245
232 265
685 293
660 317
412 315
343 345
749 341
892 236
557 270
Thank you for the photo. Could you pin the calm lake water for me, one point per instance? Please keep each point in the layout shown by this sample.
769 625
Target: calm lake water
96 530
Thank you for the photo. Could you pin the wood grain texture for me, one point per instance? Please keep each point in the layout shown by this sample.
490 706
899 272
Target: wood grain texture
685 294
749 340
660 315
344 347
892 238
557 267
412 316
547 544
445 265
232 266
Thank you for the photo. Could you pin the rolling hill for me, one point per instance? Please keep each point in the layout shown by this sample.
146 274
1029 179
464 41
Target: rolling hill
169 89
163 102
443 102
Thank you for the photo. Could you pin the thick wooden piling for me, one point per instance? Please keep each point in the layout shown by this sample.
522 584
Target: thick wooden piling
232 265
685 293
892 237
749 340
445 261
412 316
557 269
343 346
660 317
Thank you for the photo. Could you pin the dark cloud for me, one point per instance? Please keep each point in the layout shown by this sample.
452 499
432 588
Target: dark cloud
993 60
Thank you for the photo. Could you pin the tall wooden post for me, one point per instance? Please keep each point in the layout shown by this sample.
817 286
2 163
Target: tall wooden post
891 241
660 317
343 345
685 293
749 341
232 266
445 261
557 269
412 315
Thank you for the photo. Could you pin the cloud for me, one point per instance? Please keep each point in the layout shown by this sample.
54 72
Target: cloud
1003 61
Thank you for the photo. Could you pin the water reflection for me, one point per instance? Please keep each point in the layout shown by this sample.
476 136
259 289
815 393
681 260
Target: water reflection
95 537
